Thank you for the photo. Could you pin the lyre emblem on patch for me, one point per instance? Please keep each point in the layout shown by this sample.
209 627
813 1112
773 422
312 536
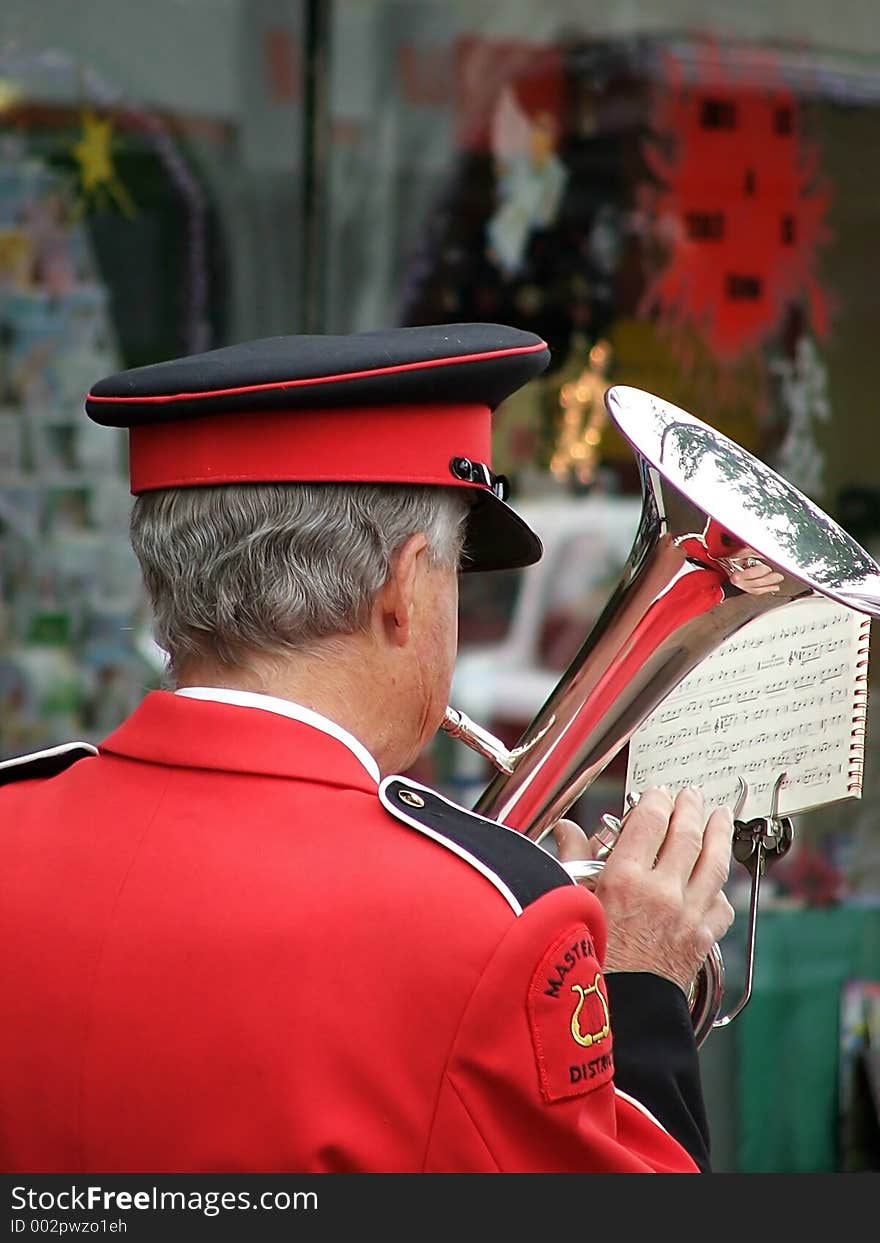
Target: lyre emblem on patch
589 1038
556 1019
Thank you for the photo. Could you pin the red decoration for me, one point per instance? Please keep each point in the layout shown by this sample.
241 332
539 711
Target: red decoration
807 875
741 209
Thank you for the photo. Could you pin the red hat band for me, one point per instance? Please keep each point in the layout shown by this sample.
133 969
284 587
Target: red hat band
396 444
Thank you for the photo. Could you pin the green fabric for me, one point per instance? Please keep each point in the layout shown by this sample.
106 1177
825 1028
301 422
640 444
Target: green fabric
788 1036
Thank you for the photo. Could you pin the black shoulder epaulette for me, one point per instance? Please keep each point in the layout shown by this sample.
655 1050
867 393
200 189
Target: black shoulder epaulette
48 763
518 868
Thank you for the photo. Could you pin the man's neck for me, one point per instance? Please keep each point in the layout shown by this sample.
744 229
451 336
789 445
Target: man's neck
338 681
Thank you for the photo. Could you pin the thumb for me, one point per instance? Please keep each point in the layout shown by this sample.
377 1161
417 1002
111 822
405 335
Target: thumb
572 842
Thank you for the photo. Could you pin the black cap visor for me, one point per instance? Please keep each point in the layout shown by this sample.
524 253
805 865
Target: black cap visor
497 538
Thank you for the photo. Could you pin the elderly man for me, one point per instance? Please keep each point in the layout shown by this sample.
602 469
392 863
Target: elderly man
233 938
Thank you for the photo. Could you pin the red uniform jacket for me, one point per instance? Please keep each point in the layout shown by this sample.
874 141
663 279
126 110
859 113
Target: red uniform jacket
223 952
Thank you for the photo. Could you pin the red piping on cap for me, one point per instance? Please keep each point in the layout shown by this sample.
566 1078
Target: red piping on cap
391 444
326 379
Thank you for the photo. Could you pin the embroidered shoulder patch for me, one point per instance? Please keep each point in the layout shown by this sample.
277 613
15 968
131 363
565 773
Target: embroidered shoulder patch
569 1020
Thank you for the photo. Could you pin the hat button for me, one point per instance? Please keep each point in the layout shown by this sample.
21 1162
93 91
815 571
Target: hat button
461 467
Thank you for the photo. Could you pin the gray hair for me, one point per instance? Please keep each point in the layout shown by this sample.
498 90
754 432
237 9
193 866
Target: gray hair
237 569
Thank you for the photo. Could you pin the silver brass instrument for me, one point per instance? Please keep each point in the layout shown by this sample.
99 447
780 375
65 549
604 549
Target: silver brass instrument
704 499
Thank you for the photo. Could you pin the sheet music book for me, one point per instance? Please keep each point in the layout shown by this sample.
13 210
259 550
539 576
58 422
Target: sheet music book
785 694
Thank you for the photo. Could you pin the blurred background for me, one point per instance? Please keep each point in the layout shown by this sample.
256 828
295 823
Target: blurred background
681 195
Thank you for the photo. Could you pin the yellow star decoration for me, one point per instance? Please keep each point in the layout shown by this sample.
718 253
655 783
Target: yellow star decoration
94 155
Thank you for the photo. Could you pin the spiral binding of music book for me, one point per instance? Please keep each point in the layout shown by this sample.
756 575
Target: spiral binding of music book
859 710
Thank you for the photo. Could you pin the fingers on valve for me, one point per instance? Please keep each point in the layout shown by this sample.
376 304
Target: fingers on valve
684 840
645 827
713 865
719 918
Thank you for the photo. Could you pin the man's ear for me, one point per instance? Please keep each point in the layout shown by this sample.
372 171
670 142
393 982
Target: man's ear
395 600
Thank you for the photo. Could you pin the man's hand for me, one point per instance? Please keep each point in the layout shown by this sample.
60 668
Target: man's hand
662 885
749 573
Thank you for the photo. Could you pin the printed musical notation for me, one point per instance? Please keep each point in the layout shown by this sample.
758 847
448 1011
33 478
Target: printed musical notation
785 694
